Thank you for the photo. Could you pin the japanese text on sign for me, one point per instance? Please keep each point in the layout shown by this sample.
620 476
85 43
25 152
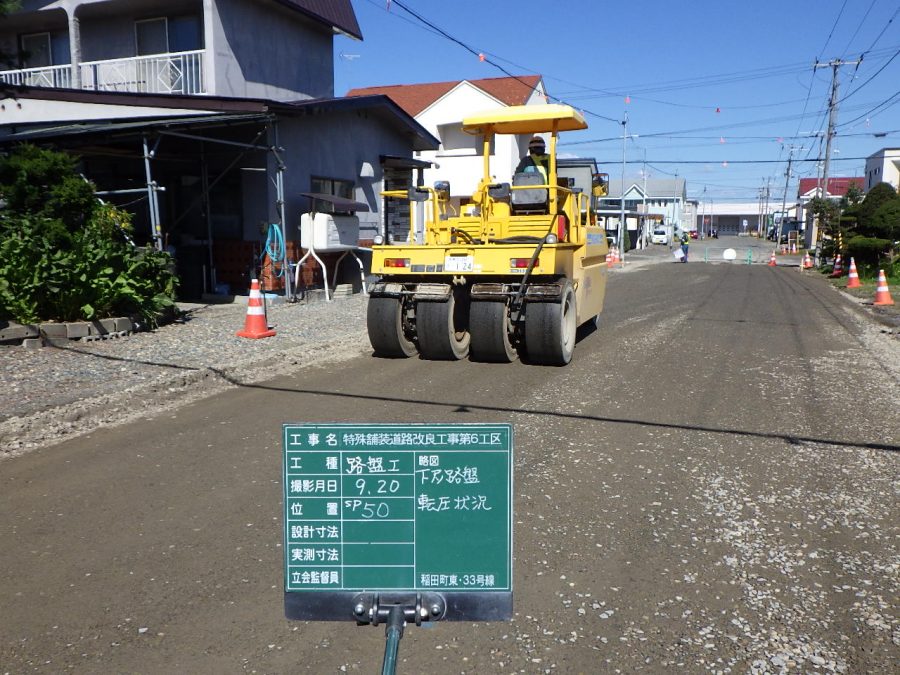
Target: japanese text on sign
393 507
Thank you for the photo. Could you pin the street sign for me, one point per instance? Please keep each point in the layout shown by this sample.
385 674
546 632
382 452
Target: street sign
397 509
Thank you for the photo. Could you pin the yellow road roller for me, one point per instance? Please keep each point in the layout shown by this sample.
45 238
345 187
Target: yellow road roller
517 273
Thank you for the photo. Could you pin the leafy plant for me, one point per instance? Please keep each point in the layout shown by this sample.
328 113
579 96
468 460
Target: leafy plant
876 232
63 255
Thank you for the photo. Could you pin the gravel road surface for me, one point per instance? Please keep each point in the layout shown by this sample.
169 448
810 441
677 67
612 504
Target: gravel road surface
710 486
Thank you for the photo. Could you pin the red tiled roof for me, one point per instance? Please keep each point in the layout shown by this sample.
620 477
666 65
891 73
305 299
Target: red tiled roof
837 186
414 98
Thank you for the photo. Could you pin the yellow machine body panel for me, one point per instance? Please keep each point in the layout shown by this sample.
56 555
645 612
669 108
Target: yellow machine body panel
526 119
528 260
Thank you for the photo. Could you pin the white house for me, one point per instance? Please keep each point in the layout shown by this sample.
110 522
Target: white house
883 167
440 108
665 197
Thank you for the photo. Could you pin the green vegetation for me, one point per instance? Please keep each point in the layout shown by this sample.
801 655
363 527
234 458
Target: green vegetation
871 228
865 228
64 255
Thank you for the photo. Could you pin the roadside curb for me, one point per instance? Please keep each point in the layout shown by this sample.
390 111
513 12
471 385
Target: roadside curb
34 336
868 309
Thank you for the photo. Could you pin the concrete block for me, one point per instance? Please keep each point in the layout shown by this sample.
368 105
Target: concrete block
33 343
77 330
124 324
9 330
54 330
315 295
56 342
212 299
102 326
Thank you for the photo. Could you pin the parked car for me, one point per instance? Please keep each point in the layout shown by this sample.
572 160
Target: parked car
659 237
694 234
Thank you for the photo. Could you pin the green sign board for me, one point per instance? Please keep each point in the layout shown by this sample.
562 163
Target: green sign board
398 508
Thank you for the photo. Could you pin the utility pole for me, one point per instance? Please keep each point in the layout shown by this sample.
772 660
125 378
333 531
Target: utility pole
759 225
832 116
704 230
621 235
644 236
787 178
675 201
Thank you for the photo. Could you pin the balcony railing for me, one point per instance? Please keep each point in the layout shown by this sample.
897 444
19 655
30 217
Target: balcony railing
50 76
173 73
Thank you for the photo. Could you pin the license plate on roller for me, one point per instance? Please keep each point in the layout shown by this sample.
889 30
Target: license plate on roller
458 263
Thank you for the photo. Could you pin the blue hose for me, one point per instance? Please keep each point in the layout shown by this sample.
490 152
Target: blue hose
275 249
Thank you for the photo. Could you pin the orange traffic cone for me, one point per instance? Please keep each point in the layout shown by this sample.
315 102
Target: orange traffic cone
838 269
853 281
882 295
807 261
772 261
255 323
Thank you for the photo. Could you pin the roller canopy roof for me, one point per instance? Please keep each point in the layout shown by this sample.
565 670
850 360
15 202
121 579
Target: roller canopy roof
526 119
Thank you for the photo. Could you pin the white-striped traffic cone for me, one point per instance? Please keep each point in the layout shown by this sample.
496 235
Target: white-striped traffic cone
255 324
853 280
882 294
838 268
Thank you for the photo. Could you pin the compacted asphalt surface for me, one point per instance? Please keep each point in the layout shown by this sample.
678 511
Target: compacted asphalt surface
710 485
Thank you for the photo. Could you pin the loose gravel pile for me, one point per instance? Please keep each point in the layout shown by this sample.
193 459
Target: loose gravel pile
53 393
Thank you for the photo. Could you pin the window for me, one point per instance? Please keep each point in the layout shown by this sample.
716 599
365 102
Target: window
185 33
151 36
329 186
36 50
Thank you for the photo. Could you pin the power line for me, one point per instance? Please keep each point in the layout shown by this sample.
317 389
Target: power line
840 13
860 25
733 125
735 161
887 103
878 37
877 73
483 57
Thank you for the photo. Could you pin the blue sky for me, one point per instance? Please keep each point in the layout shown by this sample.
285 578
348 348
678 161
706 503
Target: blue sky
712 84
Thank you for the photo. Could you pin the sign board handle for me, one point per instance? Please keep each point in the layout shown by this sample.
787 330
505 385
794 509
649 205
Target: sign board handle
392 634
412 608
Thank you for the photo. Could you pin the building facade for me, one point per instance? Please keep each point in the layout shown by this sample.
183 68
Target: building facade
179 47
207 133
440 108
883 167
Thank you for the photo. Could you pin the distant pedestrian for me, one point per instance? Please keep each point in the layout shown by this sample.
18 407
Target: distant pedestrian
685 241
